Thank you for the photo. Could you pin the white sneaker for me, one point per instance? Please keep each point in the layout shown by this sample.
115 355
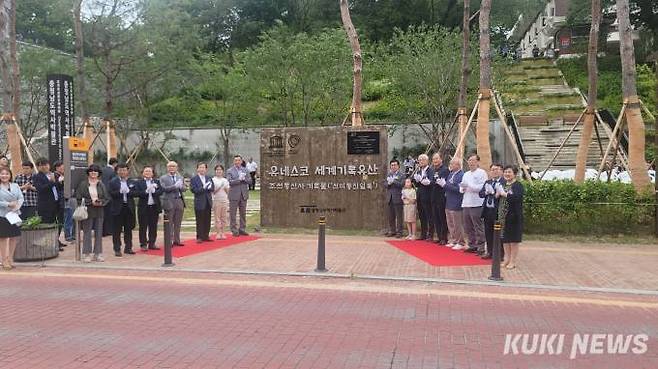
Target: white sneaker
99 258
86 258
451 245
458 247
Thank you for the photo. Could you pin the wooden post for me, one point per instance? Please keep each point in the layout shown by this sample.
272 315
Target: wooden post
111 140
13 141
622 155
88 134
559 149
618 125
460 144
510 136
355 109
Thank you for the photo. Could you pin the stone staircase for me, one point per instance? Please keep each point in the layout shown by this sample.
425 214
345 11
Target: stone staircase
545 109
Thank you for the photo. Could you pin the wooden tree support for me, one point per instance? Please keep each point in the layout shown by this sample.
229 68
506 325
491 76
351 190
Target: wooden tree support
559 149
460 144
510 136
13 140
614 141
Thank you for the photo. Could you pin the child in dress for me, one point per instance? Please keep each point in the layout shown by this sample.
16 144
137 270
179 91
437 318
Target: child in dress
409 200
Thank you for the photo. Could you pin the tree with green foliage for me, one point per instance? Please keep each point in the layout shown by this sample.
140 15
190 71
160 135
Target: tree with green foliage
303 79
424 67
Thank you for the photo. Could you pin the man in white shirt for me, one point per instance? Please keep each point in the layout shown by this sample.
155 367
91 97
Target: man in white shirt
252 168
470 186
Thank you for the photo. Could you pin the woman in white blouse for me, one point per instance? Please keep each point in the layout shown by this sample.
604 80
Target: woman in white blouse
11 200
220 201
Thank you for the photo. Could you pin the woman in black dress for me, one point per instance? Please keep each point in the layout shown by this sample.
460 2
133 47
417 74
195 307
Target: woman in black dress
510 213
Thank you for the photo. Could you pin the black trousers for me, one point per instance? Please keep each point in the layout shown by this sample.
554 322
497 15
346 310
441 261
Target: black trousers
439 220
148 224
28 212
125 223
108 221
395 218
489 221
424 207
252 186
203 223
52 217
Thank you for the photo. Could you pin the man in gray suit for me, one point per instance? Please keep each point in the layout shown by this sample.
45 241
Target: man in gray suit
172 199
394 183
239 179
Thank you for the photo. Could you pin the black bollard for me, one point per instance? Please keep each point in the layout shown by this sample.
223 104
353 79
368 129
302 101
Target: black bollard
167 241
495 257
322 223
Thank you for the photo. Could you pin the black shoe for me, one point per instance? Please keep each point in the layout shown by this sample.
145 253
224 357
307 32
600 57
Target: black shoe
199 240
144 248
438 242
472 250
399 235
61 248
178 244
243 233
389 234
118 254
207 240
154 248
129 252
61 244
235 234
485 256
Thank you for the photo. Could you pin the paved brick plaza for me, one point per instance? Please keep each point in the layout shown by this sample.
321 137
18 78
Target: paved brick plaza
69 318
563 264
130 313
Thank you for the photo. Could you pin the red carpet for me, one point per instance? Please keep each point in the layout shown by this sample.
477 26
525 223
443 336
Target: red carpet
438 255
192 247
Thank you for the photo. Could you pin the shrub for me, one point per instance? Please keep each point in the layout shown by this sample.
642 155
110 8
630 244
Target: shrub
564 207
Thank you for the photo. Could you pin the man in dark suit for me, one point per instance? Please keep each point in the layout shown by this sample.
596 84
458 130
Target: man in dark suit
394 183
48 202
109 172
239 180
423 197
202 186
490 207
148 189
438 200
122 207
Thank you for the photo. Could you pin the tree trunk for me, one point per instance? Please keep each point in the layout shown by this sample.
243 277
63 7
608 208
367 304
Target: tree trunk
483 145
592 73
355 110
13 139
466 72
226 136
111 140
636 137
80 62
13 57
4 63
88 134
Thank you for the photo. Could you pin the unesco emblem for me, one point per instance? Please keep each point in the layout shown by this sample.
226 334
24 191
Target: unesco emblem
276 142
293 141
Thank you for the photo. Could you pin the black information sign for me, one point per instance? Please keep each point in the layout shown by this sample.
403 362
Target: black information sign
363 143
60 114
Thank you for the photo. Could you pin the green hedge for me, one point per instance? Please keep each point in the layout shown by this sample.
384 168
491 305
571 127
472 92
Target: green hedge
592 208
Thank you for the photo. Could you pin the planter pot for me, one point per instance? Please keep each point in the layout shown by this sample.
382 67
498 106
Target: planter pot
37 244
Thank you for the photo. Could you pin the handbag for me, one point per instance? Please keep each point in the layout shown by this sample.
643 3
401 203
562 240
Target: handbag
80 212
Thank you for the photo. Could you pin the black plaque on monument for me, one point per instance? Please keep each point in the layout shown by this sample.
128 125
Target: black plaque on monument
60 113
363 143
